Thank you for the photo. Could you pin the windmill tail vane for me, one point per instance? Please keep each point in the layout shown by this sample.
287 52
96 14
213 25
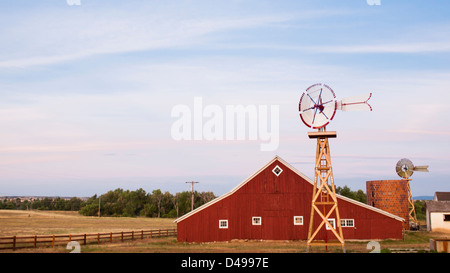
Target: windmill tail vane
356 103
421 169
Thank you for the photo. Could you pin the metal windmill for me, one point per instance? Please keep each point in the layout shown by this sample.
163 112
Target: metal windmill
405 169
317 108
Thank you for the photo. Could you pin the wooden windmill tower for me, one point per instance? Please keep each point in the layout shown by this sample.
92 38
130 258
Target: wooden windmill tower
317 108
405 169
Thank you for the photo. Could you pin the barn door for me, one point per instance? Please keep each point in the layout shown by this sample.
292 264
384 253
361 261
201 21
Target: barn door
275 228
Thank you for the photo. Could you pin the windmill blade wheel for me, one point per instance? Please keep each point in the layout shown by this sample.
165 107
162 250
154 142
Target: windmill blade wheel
404 168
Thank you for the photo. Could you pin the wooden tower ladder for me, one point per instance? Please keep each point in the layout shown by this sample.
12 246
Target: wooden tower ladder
324 194
411 208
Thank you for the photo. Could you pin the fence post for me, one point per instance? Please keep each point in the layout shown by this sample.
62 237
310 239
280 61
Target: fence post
132 235
35 241
142 234
122 236
110 237
85 239
14 242
70 237
98 238
159 232
53 240
167 232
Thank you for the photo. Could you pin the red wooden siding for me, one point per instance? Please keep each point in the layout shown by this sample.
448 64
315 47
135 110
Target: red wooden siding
277 199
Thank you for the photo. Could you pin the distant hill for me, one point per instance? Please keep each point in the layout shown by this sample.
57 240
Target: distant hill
423 197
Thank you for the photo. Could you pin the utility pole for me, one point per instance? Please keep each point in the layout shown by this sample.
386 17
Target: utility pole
192 194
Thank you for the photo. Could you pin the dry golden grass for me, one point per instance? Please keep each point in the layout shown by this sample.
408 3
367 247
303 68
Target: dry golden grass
53 222
170 245
19 222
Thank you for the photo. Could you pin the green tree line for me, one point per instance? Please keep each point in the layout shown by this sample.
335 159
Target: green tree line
421 209
358 195
121 202
47 203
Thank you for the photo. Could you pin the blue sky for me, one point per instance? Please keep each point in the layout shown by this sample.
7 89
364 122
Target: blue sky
87 90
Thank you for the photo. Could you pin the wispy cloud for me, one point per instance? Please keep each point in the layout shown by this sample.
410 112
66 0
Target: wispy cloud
41 41
388 47
423 132
42 60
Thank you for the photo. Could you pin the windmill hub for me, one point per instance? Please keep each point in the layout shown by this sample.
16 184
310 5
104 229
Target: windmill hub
319 106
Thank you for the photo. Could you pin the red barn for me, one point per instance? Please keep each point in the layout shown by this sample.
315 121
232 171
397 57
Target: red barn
275 204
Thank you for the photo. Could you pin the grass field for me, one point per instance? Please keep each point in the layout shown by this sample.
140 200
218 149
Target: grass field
19 222
55 222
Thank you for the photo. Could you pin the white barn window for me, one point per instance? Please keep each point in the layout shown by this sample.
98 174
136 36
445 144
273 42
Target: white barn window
347 222
256 221
223 223
332 221
298 220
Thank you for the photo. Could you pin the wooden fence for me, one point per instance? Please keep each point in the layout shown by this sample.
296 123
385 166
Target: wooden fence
16 242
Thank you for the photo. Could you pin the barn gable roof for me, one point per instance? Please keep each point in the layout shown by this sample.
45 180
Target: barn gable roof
218 199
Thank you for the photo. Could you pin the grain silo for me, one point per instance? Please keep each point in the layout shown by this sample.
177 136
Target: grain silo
390 196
